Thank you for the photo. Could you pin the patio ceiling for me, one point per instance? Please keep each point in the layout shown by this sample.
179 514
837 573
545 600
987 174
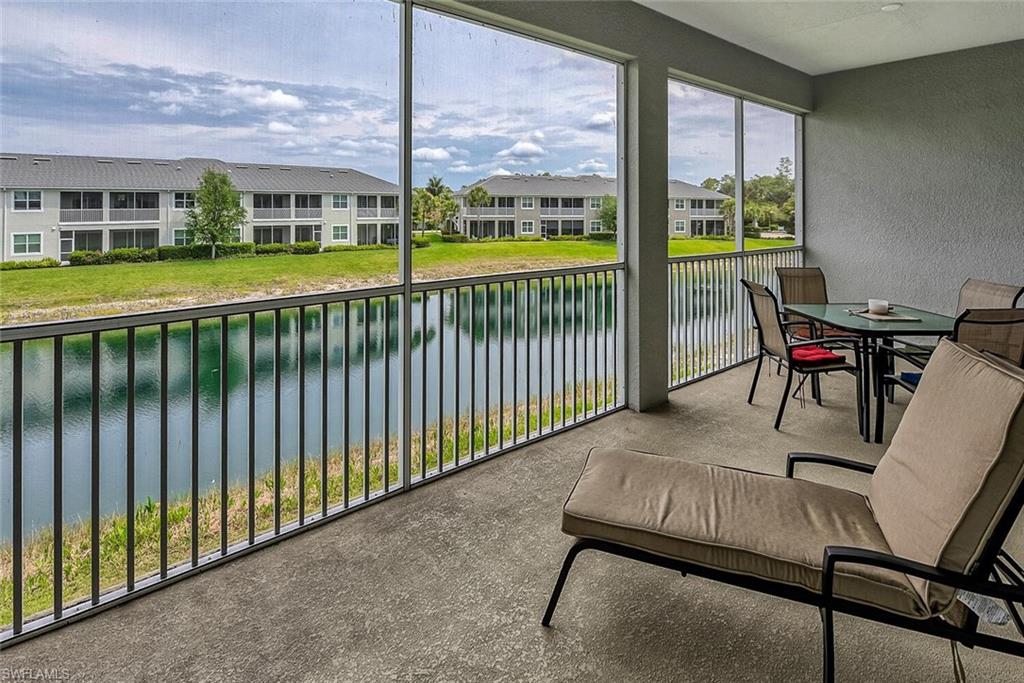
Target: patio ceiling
821 37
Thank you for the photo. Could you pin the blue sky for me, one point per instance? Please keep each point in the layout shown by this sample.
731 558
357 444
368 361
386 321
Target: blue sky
317 83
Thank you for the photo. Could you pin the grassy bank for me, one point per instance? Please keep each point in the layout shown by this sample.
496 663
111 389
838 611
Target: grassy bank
62 293
38 550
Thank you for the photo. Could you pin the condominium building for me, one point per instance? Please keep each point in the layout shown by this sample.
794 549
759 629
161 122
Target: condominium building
55 204
548 206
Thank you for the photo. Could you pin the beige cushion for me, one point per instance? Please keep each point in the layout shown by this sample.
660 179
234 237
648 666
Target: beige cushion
737 521
953 465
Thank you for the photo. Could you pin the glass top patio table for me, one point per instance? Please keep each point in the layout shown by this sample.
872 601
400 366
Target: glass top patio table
838 316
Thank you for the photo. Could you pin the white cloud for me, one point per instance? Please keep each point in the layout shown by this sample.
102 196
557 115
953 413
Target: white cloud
261 97
602 120
172 97
501 171
431 154
170 109
592 166
522 150
281 127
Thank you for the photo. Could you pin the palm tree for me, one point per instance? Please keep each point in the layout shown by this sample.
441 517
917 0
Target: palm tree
478 197
436 186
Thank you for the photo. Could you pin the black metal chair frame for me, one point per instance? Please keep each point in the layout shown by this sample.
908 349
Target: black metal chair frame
806 371
1006 583
889 380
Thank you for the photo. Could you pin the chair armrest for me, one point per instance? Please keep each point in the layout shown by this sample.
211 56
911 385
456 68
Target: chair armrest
826 341
917 360
835 554
832 460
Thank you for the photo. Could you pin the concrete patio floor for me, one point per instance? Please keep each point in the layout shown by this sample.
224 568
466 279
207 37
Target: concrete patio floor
449 581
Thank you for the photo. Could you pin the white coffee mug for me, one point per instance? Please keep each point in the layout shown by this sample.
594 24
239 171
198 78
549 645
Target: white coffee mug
878 306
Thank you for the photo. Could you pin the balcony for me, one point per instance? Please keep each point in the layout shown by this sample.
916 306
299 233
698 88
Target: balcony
713 213
81 216
312 212
133 215
440 557
488 211
268 214
561 211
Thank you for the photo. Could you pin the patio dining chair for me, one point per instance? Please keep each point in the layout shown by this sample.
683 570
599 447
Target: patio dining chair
804 285
921 550
973 294
999 331
806 357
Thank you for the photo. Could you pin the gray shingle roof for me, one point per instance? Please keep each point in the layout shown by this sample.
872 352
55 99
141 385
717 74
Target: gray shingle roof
575 186
53 171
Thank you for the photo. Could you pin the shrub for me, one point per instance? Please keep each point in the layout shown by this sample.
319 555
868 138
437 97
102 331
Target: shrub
272 249
234 249
125 255
420 242
603 236
454 237
567 238
176 252
29 265
85 257
305 248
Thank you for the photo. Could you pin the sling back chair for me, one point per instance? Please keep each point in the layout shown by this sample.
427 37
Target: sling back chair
804 285
973 294
807 357
999 331
926 540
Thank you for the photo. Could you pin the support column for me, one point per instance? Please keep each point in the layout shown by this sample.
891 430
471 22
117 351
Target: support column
646 235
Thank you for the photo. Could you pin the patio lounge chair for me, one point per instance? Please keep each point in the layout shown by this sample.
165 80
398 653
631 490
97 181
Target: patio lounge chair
939 507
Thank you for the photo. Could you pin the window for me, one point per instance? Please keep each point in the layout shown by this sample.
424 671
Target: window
271 234
366 233
181 237
27 243
339 233
769 187
679 226
236 235
308 201
595 226
516 148
28 200
389 233
184 200
141 239
307 233
340 202
702 159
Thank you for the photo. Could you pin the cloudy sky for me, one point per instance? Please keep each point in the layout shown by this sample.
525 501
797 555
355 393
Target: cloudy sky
317 83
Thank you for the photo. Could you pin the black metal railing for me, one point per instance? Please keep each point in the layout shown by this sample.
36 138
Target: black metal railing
143 448
710 324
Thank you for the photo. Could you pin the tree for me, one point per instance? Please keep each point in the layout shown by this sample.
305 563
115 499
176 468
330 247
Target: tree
217 211
478 197
609 213
421 201
436 187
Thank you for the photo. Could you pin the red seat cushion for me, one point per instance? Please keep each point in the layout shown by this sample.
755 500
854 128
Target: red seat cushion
815 355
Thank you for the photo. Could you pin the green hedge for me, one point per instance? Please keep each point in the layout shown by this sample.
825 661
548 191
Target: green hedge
28 265
603 236
454 237
85 257
306 248
130 255
235 249
272 249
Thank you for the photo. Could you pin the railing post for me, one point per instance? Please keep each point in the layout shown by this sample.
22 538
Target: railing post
405 238
646 170
740 294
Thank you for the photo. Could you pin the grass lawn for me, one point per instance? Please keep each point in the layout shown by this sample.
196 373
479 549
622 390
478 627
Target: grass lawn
71 292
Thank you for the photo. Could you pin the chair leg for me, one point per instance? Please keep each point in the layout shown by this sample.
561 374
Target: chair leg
828 647
880 396
570 557
785 395
757 373
816 388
